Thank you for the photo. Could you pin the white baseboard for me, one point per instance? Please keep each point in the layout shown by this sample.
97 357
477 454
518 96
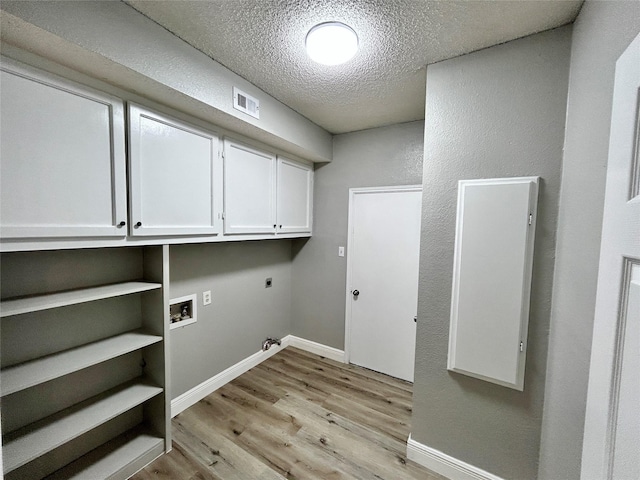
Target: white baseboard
444 464
197 393
317 348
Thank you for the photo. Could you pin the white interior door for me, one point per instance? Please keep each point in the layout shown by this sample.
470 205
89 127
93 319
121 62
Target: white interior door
383 259
612 424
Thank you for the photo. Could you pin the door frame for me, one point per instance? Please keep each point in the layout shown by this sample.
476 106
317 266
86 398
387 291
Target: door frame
607 349
353 192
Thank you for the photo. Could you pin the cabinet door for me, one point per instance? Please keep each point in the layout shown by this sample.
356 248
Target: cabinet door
492 268
175 176
249 189
294 197
63 157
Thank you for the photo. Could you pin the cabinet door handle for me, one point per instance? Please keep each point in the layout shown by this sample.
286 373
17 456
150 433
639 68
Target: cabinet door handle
280 226
274 226
138 225
122 224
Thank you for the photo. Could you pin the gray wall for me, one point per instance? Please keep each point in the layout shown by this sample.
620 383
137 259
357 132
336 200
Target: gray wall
600 34
498 112
242 312
31 273
377 157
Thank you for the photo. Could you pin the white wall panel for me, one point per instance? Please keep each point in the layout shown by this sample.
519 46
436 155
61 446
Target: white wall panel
492 278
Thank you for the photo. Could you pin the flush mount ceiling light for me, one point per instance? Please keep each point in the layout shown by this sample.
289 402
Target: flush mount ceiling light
331 43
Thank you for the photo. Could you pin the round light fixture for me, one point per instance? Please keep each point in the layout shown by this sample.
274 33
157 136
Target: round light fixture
331 43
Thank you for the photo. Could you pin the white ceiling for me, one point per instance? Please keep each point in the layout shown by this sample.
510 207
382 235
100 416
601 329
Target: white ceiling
263 41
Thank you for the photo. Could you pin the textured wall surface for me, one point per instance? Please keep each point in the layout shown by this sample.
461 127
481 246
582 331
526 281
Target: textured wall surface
601 33
495 113
242 312
31 273
376 157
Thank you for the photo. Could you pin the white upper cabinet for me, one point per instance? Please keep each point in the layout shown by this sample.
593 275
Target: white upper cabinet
175 176
66 180
249 189
63 158
264 194
294 197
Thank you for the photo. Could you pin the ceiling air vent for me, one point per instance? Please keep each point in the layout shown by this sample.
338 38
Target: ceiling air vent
246 103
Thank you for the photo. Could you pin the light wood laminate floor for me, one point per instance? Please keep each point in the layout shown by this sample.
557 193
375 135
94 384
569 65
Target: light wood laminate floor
295 416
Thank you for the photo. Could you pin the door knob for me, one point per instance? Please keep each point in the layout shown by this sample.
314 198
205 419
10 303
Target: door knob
356 293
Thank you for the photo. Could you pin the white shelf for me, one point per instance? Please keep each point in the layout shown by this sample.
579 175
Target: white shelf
32 441
25 375
61 299
117 459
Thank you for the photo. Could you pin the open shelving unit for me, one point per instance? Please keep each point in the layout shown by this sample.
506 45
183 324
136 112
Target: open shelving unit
104 431
32 441
118 458
37 303
18 377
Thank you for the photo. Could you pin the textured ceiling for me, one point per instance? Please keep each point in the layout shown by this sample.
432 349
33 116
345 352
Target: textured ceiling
263 41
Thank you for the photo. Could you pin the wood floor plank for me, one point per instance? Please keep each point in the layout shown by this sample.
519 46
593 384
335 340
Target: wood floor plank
395 427
377 399
341 368
379 454
178 463
220 416
283 453
252 410
393 388
270 379
295 416
345 372
356 471
221 456
291 381
254 385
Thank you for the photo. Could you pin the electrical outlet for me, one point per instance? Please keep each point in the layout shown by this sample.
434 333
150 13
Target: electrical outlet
206 297
341 251
268 282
